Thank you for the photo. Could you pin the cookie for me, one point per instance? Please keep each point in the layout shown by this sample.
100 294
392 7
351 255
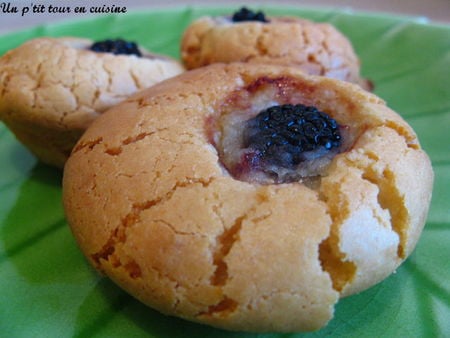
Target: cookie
158 200
51 89
315 48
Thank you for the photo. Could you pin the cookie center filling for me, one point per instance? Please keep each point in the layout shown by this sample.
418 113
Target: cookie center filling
274 131
117 46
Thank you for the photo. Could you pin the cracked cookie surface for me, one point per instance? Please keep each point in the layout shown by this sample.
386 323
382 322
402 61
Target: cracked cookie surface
153 207
51 89
315 48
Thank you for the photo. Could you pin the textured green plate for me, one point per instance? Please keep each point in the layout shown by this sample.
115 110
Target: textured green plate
48 290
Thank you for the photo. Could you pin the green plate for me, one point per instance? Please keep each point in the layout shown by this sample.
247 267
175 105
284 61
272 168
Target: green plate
47 289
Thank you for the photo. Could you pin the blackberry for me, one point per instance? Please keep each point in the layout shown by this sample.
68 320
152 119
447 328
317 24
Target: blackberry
245 14
287 135
117 46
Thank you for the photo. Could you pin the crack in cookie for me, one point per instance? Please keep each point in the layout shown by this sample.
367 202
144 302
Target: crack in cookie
222 309
341 270
391 200
118 235
226 241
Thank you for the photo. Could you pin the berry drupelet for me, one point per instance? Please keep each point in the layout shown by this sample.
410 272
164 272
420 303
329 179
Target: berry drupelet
245 14
287 135
117 46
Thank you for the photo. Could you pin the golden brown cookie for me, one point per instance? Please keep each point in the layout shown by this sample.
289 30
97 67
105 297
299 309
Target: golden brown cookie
316 48
154 204
51 89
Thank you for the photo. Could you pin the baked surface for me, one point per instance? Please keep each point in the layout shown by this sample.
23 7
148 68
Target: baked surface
152 206
316 48
51 89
